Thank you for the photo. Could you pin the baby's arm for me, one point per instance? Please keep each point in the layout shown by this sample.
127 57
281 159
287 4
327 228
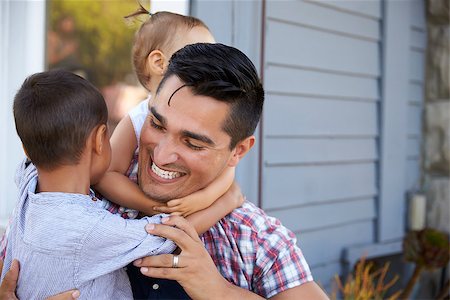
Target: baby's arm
205 219
114 185
201 199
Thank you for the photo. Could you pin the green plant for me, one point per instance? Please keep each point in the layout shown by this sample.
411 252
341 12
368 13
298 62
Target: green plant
366 283
428 249
105 38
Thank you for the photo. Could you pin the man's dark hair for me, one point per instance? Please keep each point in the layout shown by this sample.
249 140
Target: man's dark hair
225 74
55 112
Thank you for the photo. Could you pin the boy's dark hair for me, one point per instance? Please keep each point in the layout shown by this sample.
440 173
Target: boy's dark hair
55 112
225 74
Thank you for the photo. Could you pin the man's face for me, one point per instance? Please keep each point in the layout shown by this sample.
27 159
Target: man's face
183 147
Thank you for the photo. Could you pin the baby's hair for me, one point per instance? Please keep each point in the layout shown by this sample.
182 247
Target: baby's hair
158 32
55 112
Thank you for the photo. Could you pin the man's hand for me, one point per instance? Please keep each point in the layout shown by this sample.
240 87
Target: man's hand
9 284
69 295
196 271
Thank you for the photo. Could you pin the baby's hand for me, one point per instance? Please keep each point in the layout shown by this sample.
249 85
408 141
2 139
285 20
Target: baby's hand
182 207
236 195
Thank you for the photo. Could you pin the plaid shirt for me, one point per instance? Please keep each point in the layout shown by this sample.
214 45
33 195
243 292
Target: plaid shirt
253 250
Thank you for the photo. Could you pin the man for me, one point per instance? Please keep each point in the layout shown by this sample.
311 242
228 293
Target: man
200 121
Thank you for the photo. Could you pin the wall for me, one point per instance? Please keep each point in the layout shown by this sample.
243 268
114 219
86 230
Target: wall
22 44
436 130
437 116
322 79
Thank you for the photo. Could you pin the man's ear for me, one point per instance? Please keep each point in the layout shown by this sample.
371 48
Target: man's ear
100 136
241 150
156 62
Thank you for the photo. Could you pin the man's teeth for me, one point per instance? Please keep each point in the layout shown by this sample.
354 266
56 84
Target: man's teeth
163 173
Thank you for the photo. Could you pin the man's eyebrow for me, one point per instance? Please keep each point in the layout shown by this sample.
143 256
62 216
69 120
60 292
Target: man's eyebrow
200 137
160 118
196 136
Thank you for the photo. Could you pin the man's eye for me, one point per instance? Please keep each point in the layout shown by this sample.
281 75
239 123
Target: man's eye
154 125
193 147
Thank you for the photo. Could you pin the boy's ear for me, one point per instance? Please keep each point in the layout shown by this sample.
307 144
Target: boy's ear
157 62
241 150
100 136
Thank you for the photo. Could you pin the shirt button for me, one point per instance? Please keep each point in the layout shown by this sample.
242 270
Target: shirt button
155 286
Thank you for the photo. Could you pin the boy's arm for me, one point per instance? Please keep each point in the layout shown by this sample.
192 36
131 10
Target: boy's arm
113 242
114 185
205 219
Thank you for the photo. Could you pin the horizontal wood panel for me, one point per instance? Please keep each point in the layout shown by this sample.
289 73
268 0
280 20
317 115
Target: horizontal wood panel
305 218
325 246
417 66
300 81
323 17
414 120
348 54
289 186
212 11
370 8
415 92
303 150
418 39
291 115
413 147
412 174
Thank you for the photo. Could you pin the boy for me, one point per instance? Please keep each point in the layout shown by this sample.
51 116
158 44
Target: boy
60 233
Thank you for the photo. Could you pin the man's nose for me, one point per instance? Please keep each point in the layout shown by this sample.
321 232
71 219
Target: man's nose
165 152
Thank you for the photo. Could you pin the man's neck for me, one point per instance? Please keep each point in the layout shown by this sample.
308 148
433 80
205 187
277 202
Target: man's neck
65 179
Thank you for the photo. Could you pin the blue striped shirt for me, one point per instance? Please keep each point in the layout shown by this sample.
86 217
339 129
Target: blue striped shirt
65 241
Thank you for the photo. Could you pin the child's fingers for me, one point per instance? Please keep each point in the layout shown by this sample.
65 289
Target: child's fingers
164 209
174 202
177 213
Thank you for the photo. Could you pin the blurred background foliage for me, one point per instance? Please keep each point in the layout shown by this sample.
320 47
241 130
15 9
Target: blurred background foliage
104 37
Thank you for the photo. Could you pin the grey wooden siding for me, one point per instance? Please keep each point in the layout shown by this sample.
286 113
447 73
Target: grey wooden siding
321 75
342 119
415 94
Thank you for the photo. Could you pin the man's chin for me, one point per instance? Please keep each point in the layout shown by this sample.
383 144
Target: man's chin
159 198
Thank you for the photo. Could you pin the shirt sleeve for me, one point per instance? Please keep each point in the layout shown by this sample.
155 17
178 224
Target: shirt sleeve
25 171
280 264
114 242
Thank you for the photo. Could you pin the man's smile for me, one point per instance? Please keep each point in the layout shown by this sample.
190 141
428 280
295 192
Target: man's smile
164 173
